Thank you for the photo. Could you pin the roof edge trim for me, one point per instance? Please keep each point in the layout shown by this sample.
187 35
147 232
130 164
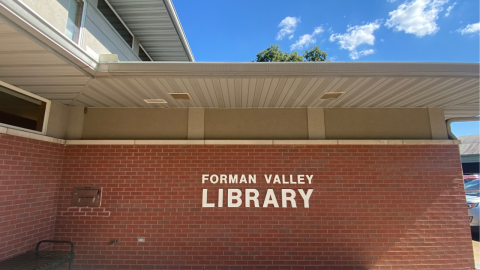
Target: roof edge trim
178 27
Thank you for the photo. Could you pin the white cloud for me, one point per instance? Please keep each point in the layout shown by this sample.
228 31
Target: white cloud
306 40
417 17
470 29
356 36
391 1
289 24
355 55
447 13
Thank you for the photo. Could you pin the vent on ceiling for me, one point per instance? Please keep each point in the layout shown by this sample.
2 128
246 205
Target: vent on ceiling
331 95
155 100
181 96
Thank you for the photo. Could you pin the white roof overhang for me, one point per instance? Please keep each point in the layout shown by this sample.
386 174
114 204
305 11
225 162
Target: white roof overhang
39 59
155 23
453 86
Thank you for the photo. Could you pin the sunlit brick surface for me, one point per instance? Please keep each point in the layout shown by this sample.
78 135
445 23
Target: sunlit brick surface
373 207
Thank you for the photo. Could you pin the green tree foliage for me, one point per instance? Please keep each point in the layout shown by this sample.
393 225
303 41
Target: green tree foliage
314 54
274 54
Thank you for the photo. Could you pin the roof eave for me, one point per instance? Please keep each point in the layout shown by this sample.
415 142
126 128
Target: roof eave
179 28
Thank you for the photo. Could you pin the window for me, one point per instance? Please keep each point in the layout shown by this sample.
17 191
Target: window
112 18
22 110
74 21
143 55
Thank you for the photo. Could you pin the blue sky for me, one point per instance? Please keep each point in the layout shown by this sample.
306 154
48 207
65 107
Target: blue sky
348 30
411 31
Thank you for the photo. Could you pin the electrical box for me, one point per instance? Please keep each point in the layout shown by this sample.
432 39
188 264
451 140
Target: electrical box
87 196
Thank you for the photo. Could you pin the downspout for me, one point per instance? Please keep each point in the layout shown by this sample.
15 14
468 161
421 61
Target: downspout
460 119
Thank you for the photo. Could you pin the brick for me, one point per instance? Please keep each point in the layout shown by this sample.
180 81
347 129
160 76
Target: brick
369 206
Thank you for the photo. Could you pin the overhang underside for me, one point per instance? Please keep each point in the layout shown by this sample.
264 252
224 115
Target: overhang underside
156 25
47 72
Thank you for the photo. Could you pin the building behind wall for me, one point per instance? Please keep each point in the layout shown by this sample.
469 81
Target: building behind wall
470 154
369 140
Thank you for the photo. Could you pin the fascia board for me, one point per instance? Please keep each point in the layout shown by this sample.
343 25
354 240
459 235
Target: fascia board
345 69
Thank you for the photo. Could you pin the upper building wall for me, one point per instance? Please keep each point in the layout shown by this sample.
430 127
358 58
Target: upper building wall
54 12
247 124
97 37
100 37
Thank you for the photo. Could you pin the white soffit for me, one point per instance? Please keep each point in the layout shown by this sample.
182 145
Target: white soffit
453 86
155 23
34 67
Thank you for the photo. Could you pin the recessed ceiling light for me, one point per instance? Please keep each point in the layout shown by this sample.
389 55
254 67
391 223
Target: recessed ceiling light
155 100
181 96
331 95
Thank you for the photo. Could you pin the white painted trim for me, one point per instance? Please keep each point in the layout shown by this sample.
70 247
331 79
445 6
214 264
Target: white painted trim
82 23
374 142
294 69
240 142
261 142
169 142
99 142
30 135
26 93
305 142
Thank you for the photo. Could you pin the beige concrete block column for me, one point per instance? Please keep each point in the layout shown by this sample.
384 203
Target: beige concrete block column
316 123
437 124
196 124
75 123
57 120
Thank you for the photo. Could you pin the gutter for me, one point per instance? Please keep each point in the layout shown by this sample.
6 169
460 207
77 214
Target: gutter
460 119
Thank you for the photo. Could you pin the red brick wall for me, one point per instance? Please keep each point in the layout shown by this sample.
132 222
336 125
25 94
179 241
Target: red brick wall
373 207
29 180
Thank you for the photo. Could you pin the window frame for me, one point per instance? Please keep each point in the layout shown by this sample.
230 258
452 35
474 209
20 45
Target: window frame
82 23
123 23
132 46
141 48
80 26
26 93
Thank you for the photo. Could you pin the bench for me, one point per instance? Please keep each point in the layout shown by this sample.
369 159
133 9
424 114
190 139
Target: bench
40 259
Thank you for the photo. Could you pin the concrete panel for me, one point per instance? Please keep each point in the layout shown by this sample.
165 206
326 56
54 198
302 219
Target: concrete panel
54 12
57 120
75 123
135 123
100 37
256 124
316 124
377 123
437 124
196 123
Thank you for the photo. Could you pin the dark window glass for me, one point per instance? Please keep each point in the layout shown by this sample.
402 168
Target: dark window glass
20 110
143 55
114 21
